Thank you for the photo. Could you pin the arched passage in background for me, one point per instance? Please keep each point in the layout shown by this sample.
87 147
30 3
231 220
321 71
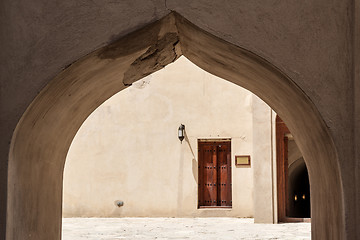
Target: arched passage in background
44 133
293 189
299 190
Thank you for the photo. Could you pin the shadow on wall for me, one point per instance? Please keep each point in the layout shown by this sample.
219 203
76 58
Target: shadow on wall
194 162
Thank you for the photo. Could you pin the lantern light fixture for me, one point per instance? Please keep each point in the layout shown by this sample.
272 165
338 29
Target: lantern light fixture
181 132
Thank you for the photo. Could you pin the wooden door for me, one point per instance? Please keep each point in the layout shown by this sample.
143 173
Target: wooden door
282 168
214 173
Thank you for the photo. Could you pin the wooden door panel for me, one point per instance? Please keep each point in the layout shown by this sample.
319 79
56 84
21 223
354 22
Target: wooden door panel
210 176
225 175
207 180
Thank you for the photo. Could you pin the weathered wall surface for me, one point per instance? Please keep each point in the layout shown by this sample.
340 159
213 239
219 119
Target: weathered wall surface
41 38
144 164
312 42
356 71
264 193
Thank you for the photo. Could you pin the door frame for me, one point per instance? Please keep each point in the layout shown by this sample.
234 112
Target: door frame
214 141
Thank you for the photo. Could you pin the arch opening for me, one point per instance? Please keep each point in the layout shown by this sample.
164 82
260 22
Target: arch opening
145 167
44 133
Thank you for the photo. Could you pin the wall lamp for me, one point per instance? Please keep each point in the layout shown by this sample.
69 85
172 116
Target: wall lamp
181 132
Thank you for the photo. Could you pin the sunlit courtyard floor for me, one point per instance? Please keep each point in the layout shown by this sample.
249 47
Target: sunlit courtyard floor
179 228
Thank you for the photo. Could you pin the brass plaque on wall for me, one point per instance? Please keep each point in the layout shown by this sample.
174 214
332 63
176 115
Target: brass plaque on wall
243 160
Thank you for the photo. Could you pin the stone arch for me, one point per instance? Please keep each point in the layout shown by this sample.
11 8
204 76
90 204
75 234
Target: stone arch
44 133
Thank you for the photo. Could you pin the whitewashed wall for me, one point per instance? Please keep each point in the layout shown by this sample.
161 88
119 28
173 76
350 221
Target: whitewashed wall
128 148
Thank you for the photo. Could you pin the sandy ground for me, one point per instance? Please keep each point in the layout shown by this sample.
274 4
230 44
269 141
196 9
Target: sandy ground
179 228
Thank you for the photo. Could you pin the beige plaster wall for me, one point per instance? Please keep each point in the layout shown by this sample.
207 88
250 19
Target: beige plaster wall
263 162
144 164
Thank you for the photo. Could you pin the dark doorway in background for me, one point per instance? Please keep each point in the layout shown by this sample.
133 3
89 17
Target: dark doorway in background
214 173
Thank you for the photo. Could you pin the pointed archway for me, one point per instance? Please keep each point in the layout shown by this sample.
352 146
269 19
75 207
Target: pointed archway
45 131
